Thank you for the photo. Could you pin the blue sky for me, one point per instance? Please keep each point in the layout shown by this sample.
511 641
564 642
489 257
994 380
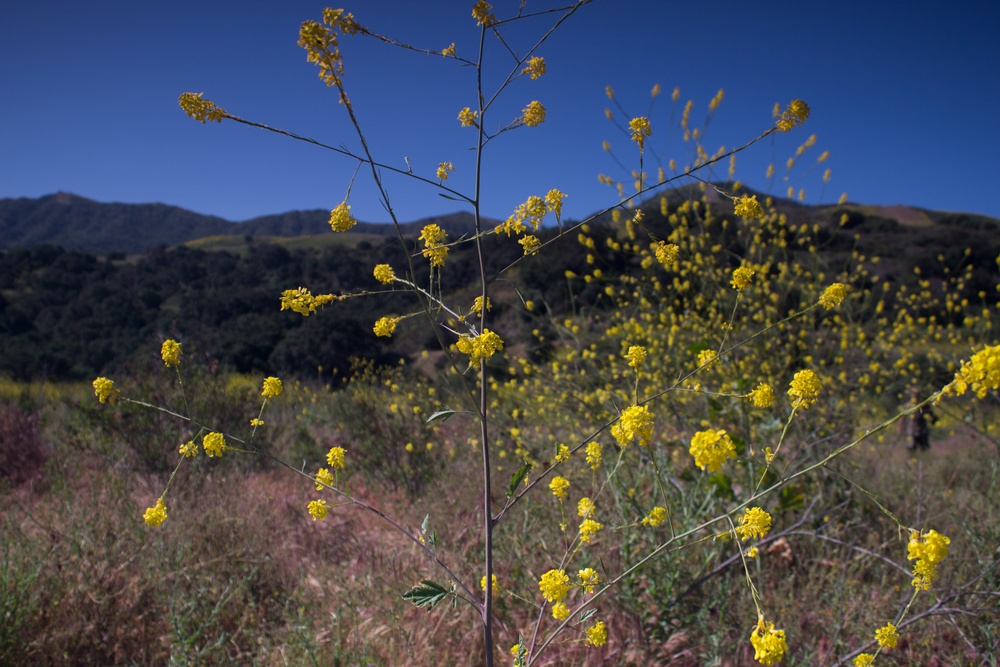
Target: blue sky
904 96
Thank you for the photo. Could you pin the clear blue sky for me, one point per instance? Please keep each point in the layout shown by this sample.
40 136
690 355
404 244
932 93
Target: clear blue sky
904 96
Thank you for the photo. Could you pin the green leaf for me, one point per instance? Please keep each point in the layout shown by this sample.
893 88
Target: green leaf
587 614
426 594
441 416
517 478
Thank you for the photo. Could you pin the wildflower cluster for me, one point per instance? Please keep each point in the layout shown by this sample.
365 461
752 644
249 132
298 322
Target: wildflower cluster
480 347
434 249
928 549
769 644
794 115
636 423
170 352
201 110
341 219
301 300
981 373
322 46
804 388
711 449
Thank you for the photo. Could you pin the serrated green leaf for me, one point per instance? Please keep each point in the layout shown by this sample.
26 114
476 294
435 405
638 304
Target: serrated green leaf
441 415
587 614
426 594
517 478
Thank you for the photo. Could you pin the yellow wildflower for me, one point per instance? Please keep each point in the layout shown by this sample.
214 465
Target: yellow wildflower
385 326
171 353
640 130
795 114
588 579
833 295
480 347
589 528
635 423
742 278
554 585
533 114
666 253
560 611
481 12
558 485
157 514
656 516
636 355
448 50
301 300
928 549
189 449
769 644
335 457
762 396
535 68
711 449
324 478
214 444
585 508
443 169
272 388
105 390
434 249
748 207
384 274
755 522
981 373
594 451
804 388
530 243
597 634
341 219
467 117
495 586
318 509
887 636
863 660
201 110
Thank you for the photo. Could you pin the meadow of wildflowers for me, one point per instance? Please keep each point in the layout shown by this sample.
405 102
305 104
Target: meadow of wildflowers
672 466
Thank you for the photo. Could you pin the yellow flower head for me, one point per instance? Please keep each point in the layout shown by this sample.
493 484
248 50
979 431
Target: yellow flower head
214 444
480 347
562 453
318 509
171 353
341 219
594 451
535 68
384 274
189 449
769 644
533 114
554 585
833 296
640 130
981 373
272 388
560 611
477 305
863 660
335 457
443 169
385 326
711 449
762 396
636 423
588 579
433 239
157 514
666 253
553 202
495 586
928 549
448 50
559 485
324 478
585 508
530 243
105 390
742 278
301 300
467 117
199 109
656 516
589 528
748 207
755 522
887 636
597 634
481 12
804 388
636 355
794 114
